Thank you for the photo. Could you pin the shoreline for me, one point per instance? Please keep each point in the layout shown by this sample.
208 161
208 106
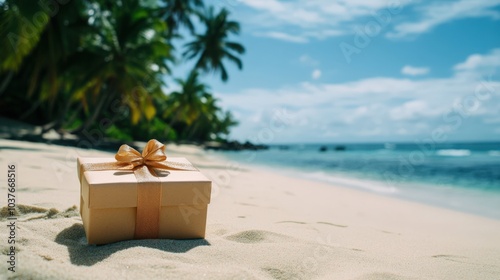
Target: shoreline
458 198
261 225
231 166
465 200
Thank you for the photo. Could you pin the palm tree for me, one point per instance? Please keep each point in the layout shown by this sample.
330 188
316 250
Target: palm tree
212 123
123 61
36 53
194 113
223 125
18 32
213 47
186 105
68 69
177 13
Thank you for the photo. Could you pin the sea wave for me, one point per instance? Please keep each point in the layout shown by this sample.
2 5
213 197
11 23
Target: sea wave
453 152
369 185
494 153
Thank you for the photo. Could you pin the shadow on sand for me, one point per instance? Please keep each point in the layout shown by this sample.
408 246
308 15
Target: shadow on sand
82 254
19 148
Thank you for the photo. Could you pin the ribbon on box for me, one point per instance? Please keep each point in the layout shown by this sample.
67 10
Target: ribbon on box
147 223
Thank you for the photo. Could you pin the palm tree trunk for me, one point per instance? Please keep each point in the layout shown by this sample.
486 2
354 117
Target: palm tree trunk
6 82
97 113
193 130
73 116
60 121
172 122
30 110
47 127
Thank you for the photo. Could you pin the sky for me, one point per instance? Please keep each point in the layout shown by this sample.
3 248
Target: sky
325 71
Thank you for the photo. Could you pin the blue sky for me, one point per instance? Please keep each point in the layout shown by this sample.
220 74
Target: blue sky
365 71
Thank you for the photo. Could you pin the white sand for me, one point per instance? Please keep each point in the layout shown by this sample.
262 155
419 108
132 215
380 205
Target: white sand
261 225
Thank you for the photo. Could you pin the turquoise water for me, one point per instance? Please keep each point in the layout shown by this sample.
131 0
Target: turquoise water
460 176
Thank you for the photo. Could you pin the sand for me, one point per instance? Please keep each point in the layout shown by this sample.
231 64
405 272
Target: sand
261 225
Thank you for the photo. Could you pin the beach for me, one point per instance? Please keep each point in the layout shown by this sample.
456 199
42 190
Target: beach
261 225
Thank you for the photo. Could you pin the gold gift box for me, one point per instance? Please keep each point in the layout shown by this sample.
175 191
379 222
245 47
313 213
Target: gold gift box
108 203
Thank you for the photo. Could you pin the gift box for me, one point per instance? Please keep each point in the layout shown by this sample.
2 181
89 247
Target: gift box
141 198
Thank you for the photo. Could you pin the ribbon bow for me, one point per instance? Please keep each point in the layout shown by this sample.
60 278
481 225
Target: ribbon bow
149 186
153 156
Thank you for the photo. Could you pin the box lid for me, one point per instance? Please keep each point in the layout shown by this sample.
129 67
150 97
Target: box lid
118 188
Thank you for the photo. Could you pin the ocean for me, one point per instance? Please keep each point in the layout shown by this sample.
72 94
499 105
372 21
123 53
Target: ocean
459 176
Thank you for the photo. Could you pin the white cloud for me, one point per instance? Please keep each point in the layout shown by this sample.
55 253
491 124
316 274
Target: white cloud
284 37
477 61
375 107
318 19
414 71
412 110
437 13
313 63
316 74
299 21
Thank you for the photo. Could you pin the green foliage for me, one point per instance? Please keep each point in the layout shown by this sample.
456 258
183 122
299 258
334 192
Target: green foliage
193 110
21 24
118 134
77 65
211 48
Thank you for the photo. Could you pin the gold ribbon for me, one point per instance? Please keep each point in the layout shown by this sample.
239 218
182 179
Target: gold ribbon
147 222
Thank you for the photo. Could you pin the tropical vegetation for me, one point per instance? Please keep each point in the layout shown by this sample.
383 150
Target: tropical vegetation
98 65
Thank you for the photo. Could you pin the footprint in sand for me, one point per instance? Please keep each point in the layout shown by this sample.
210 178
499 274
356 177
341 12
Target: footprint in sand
461 259
330 224
46 257
289 193
30 212
452 258
256 236
381 276
248 204
220 232
22 241
291 222
389 232
280 274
